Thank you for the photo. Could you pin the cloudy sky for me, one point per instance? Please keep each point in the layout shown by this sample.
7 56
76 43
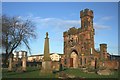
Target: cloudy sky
55 18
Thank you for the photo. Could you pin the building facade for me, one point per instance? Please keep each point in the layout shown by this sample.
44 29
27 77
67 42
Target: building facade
39 58
19 55
79 47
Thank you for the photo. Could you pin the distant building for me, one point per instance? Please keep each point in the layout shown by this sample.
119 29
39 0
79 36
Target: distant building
55 57
37 58
19 55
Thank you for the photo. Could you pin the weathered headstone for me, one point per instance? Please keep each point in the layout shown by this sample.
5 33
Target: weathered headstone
46 63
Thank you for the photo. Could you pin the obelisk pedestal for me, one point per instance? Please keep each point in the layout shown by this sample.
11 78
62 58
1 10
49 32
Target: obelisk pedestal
46 67
46 64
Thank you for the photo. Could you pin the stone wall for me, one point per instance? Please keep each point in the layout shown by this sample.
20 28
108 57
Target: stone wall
110 64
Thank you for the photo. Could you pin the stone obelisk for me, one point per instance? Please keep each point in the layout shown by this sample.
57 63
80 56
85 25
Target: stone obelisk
46 63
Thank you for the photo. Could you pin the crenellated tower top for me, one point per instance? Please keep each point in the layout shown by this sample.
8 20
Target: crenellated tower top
86 12
86 16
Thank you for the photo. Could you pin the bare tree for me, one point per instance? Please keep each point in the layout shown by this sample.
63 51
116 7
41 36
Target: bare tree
15 32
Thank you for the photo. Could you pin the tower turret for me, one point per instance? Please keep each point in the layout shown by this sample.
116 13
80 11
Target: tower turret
86 16
103 50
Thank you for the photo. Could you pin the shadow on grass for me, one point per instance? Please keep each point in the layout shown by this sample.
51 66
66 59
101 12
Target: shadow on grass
9 73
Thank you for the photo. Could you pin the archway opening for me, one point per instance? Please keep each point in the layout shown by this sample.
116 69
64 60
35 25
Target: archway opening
74 59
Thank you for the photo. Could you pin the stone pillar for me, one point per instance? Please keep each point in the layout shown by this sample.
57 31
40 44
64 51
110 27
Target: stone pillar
24 60
10 63
17 56
82 61
46 63
103 51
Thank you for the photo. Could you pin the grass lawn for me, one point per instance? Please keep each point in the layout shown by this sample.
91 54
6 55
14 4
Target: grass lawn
35 73
30 73
79 73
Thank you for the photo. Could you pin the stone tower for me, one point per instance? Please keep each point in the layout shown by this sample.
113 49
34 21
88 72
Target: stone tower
79 42
87 28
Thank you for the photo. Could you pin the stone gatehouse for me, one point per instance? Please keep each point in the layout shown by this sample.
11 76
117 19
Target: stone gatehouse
79 47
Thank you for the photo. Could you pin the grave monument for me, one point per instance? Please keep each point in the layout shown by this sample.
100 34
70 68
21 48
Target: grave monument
46 63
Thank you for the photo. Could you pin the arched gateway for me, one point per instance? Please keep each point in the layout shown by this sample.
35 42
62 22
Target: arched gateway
74 59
